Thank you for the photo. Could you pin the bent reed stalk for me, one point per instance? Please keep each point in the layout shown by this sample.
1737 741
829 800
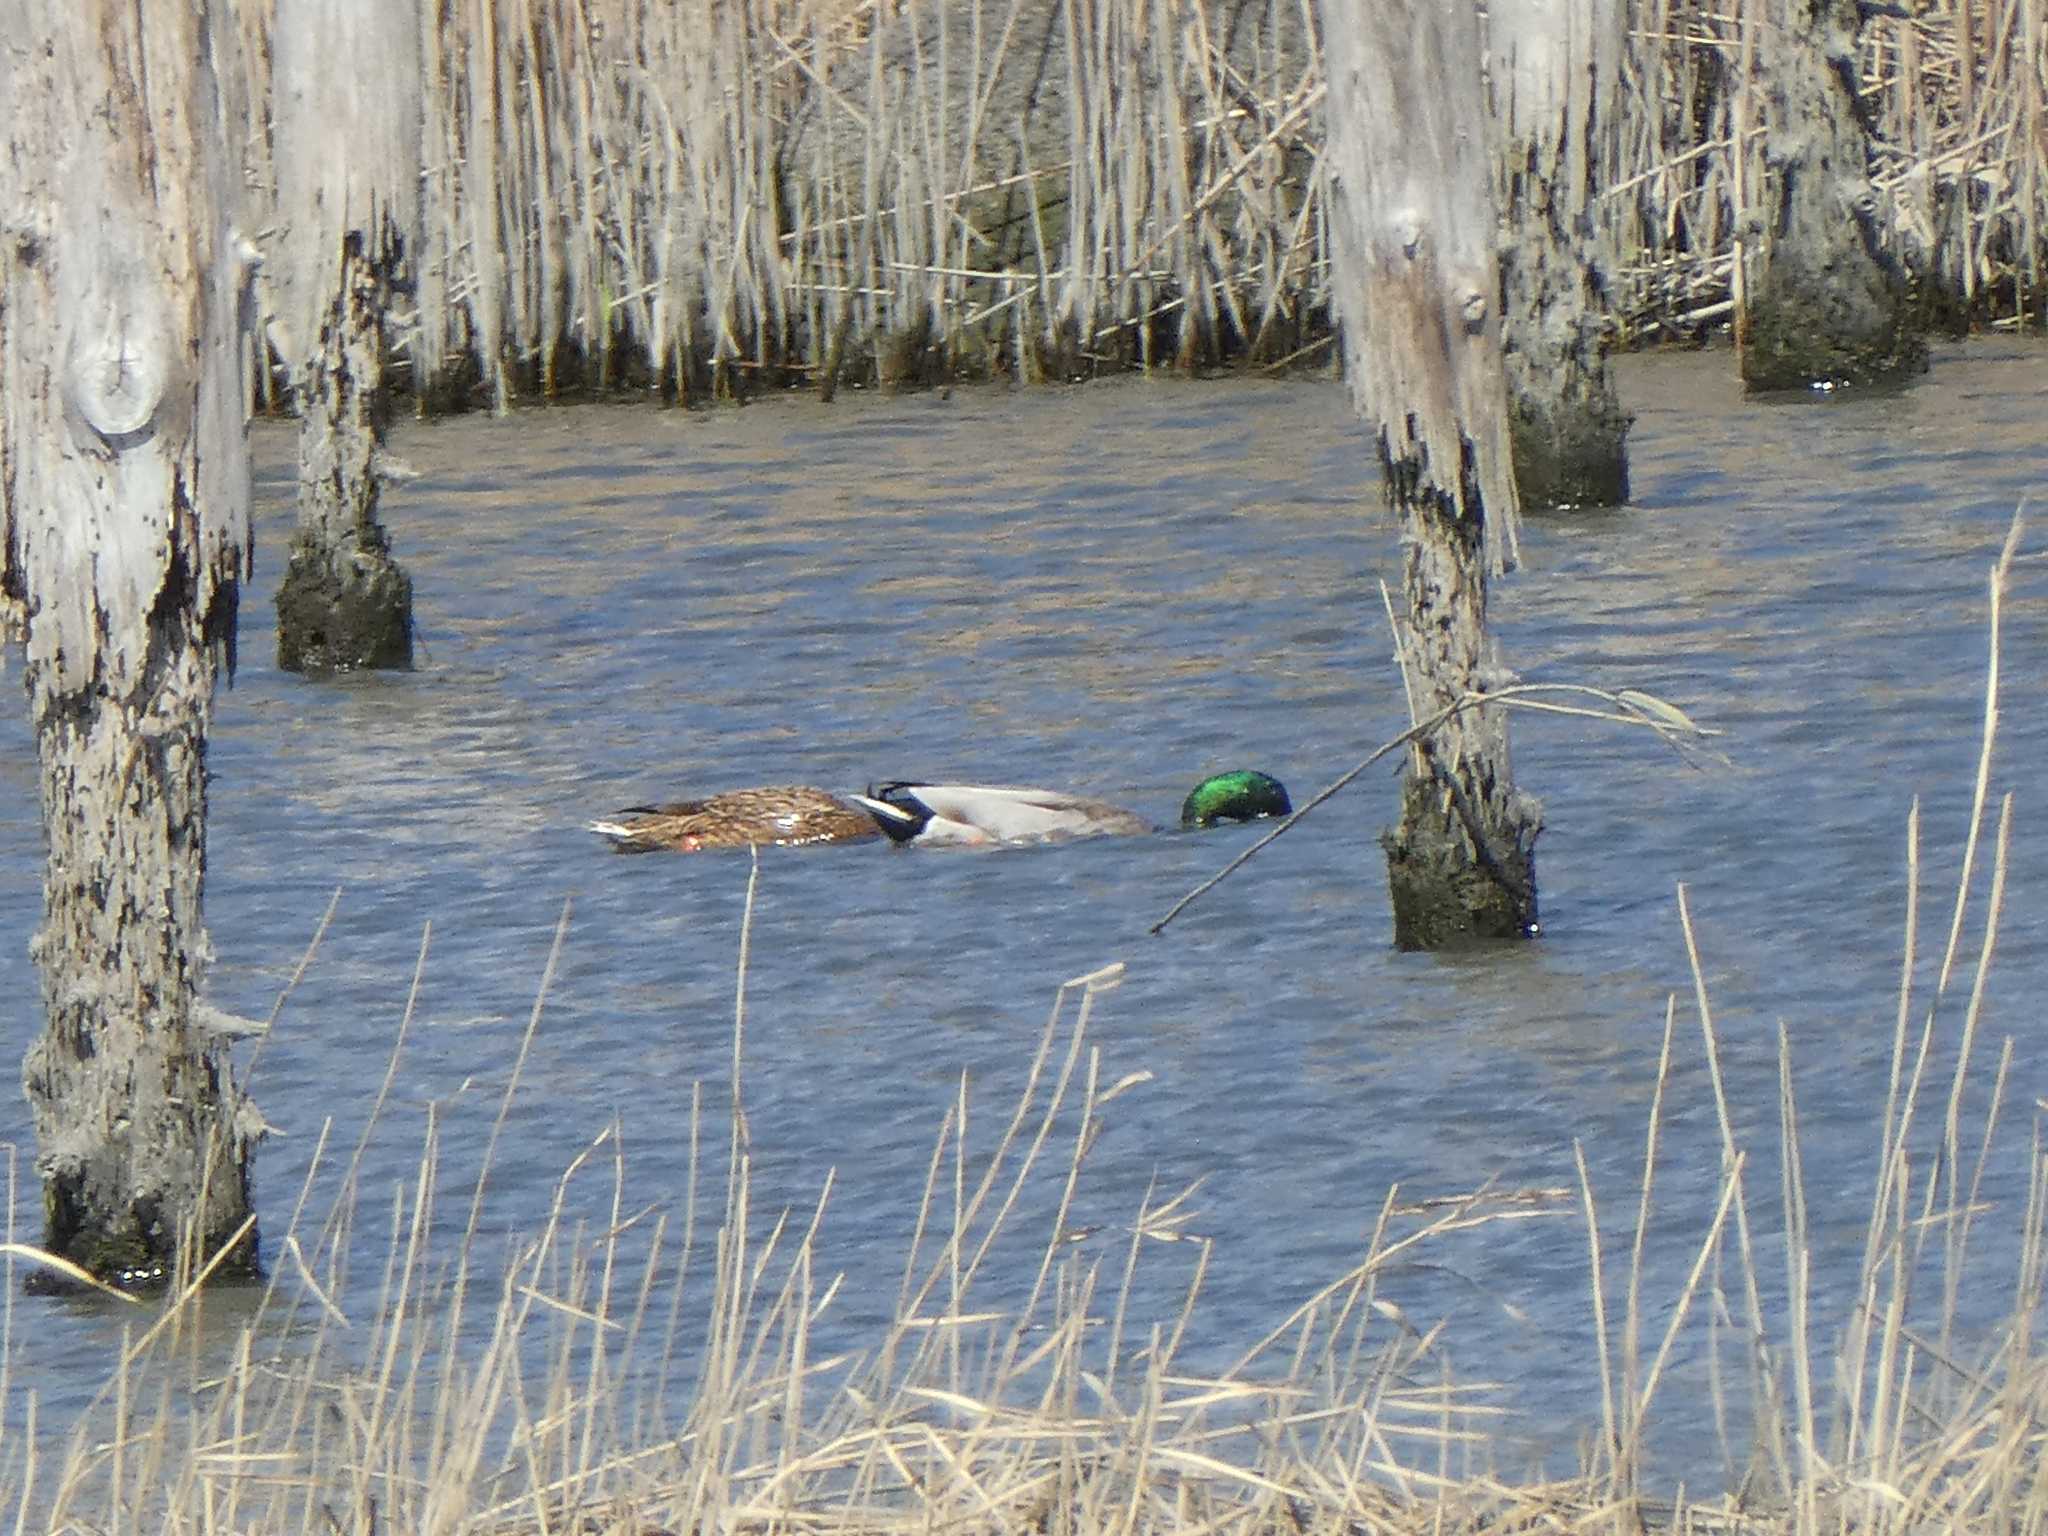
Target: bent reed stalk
718 196
455 1405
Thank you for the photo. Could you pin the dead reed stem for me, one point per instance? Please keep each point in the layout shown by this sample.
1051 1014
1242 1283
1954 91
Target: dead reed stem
701 198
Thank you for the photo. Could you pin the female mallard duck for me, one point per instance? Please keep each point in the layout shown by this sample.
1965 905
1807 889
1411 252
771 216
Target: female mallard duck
985 813
785 814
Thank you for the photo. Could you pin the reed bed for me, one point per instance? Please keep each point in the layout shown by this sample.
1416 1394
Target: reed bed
537 1393
711 197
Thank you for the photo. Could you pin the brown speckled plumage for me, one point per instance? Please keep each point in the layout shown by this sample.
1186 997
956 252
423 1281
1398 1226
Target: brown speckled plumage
782 815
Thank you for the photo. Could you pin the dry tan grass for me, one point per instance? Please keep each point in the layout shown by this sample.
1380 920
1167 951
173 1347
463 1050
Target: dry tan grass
1953 91
464 1399
720 195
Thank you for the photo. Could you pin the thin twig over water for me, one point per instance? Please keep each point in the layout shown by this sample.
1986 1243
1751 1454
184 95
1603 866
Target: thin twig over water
1629 706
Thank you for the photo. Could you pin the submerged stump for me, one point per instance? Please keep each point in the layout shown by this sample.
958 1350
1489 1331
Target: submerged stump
345 602
124 497
348 171
1413 241
1461 862
1831 304
1554 90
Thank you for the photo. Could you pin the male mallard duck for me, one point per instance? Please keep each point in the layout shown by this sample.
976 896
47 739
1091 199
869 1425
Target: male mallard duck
784 814
986 813
1242 794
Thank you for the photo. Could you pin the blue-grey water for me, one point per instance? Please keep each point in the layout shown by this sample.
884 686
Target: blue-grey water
1116 589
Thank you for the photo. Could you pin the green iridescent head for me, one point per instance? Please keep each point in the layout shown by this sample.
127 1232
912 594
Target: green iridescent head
1243 794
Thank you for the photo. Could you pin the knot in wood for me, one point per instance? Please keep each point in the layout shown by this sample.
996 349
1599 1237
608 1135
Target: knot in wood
1473 305
117 370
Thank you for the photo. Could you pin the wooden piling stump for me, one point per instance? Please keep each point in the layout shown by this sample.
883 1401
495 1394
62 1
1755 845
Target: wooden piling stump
1413 236
124 491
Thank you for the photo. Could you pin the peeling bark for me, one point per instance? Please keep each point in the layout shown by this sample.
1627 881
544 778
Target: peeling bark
124 494
1413 239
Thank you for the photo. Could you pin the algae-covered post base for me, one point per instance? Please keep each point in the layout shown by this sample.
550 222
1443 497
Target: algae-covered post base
1441 897
1831 304
341 611
1413 239
124 502
1554 87
1570 445
345 603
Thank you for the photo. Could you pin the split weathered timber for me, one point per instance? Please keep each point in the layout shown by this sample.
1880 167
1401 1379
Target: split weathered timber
348 176
1553 82
124 491
1413 238
1831 304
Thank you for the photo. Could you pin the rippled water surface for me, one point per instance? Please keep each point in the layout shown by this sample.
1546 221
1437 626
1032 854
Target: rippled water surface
1116 589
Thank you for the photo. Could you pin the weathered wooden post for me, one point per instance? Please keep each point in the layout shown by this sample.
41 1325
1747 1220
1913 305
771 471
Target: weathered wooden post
125 499
348 171
1831 304
1555 64
1413 239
